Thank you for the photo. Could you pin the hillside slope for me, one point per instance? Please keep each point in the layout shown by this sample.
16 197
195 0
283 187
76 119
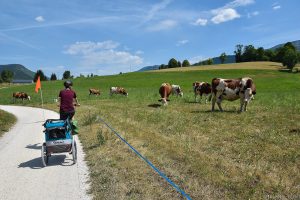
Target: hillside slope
243 65
20 72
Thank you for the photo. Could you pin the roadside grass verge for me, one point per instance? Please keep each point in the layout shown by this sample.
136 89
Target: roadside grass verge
7 120
229 155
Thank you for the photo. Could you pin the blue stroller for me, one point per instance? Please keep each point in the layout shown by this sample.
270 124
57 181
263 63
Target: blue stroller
58 139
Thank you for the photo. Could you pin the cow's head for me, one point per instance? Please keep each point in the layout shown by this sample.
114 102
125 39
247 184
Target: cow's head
28 97
250 91
124 92
249 94
177 90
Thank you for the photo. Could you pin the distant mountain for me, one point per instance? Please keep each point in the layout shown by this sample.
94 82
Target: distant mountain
20 72
148 68
295 43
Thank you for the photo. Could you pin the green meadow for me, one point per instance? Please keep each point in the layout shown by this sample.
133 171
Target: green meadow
227 155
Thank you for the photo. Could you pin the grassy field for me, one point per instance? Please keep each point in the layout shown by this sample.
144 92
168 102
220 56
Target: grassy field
229 155
6 121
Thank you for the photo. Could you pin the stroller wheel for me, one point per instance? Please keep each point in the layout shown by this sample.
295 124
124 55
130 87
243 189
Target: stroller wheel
44 155
74 151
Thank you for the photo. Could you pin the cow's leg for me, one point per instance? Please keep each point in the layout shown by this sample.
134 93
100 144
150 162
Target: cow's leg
205 97
242 101
213 102
219 99
200 97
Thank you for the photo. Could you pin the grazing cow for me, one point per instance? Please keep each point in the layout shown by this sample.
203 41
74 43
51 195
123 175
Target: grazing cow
201 88
118 90
166 89
232 89
94 91
20 95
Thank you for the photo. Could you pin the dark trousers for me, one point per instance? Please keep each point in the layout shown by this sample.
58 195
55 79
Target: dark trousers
64 115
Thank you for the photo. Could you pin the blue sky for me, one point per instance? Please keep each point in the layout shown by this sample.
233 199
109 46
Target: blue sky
111 36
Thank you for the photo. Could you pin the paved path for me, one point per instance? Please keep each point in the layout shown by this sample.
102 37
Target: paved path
22 175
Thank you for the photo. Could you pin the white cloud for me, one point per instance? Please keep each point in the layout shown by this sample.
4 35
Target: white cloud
276 7
88 47
253 14
103 56
238 3
111 57
139 52
156 8
162 25
224 15
39 19
182 42
196 59
200 22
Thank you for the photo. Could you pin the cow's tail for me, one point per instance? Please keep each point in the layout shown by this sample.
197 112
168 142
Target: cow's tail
210 96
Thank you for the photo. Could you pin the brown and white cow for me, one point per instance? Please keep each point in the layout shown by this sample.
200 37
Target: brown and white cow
233 89
118 90
201 88
94 91
166 89
20 95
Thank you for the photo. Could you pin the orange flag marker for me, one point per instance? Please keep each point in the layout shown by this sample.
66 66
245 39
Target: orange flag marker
38 85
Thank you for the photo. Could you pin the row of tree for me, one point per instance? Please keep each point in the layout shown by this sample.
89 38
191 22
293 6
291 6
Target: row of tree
53 77
287 54
173 63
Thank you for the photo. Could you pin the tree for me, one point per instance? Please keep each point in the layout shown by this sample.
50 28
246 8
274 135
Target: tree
172 63
260 54
223 57
7 76
249 53
67 75
290 58
270 55
163 66
238 53
53 77
39 73
179 64
210 61
186 63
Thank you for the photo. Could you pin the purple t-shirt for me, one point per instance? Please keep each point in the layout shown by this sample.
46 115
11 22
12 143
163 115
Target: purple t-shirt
66 100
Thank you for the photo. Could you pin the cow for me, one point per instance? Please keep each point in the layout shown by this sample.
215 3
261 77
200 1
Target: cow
118 90
232 89
201 88
20 95
166 89
94 91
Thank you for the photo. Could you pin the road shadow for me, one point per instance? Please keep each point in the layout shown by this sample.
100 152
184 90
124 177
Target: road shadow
54 160
36 146
154 105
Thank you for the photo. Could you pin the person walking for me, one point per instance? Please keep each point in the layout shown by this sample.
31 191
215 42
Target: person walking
66 99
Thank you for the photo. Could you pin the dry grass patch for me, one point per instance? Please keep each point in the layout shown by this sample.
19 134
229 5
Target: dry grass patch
7 120
245 65
209 155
